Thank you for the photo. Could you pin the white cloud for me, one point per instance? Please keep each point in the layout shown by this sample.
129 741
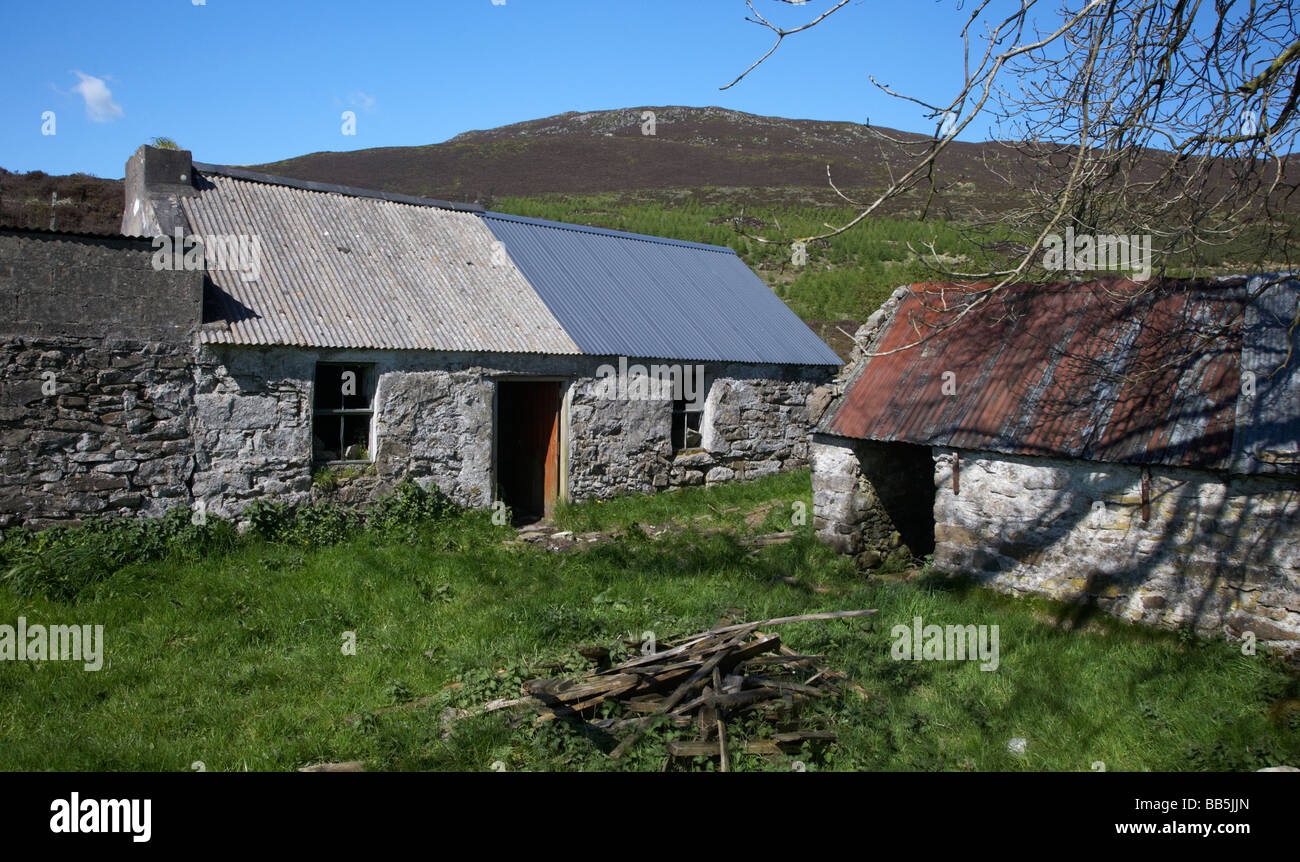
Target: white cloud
100 106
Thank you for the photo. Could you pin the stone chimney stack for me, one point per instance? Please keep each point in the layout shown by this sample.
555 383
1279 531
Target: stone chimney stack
156 180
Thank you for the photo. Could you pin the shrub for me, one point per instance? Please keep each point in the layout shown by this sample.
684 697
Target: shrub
408 506
269 521
62 562
324 524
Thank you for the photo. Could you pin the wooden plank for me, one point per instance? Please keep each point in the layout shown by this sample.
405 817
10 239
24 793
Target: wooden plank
727 701
595 700
682 748
766 539
804 736
682 690
707 715
645 703
793 658
722 745
703 644
572 691
782 685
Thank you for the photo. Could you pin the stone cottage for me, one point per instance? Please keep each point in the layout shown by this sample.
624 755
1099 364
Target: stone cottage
1126 446
280 328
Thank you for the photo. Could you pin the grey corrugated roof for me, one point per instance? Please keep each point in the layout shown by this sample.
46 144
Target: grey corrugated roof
1267 438
341 270
311 185
624 294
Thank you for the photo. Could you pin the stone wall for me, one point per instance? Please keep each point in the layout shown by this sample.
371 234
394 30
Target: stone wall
871 499
1220 556
434 424
96 388
755 424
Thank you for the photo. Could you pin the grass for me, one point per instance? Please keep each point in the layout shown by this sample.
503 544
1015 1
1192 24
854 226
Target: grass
236 660
719 506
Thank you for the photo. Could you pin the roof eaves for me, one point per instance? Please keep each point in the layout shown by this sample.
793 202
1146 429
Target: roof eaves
74 234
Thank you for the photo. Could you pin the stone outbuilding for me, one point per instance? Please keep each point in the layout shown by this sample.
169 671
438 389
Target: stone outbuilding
1125 446
363 337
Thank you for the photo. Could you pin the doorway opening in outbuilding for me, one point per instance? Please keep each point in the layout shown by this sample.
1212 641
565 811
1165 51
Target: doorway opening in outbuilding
528 447
902 478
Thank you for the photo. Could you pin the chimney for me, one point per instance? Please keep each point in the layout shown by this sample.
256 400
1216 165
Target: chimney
156 180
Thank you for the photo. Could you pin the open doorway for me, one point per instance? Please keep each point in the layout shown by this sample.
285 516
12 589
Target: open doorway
528 447
901 499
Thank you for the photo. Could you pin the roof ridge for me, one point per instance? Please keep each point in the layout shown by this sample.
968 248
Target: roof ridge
602 231
350 191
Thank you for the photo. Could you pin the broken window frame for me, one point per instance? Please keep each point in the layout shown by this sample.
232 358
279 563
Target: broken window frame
366 380
688 422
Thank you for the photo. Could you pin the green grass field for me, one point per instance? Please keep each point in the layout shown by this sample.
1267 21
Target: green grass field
234 660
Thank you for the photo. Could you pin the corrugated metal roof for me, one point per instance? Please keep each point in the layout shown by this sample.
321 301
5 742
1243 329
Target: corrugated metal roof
1104 371
311 185
1268 420
344 271
624 294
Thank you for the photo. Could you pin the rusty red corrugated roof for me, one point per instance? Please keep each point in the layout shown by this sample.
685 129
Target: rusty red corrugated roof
1106 370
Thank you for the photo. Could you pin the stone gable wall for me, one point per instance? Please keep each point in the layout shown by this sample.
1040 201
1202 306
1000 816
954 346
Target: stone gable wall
96 384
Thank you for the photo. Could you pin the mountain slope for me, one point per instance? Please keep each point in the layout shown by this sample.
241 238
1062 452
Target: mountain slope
607 151
741 158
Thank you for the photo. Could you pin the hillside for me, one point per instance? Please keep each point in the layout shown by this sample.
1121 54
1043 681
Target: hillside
726 157
765 160
84 204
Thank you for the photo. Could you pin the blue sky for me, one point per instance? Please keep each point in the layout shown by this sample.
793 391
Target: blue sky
244 82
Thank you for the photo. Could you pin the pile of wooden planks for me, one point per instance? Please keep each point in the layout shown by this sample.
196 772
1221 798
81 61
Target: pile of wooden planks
703 681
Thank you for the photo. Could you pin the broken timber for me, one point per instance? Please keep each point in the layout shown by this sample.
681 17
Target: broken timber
700 682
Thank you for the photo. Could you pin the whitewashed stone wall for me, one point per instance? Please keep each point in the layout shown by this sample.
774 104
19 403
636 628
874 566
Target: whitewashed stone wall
755 424
839 499
1222 557
433 424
